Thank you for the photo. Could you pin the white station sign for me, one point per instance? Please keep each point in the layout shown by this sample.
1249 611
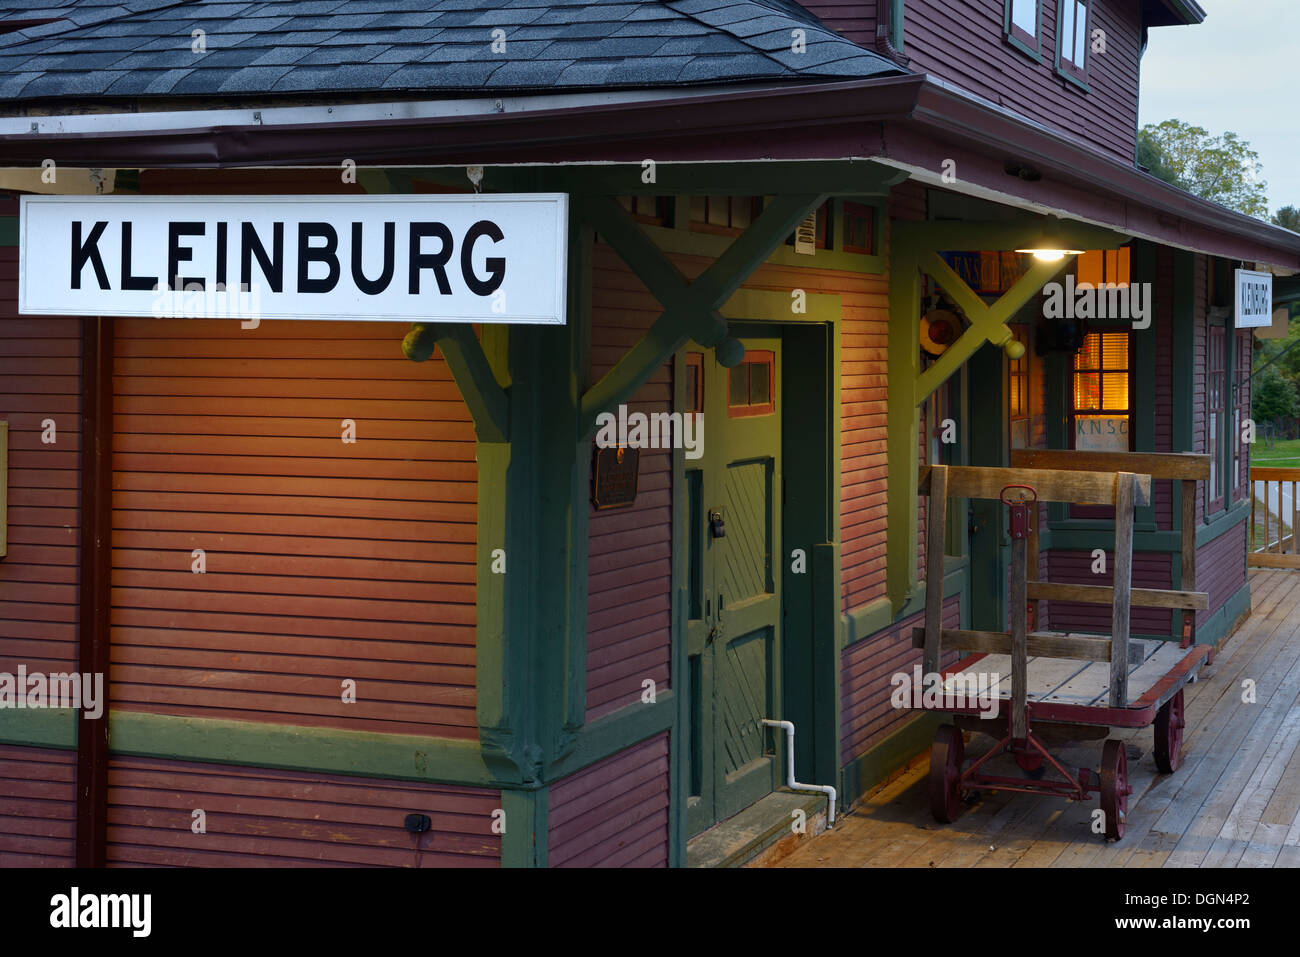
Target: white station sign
480 258
1253 306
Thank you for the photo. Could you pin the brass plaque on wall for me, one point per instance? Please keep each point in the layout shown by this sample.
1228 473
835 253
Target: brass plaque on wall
614 475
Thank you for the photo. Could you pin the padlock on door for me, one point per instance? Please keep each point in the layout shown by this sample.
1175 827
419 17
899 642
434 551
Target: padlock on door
717 523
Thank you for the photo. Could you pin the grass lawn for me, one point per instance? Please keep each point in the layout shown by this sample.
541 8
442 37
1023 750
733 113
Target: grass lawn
1284 454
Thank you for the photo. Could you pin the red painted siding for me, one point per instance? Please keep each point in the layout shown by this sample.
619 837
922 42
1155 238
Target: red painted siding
38 807
1150 570
325 561
614 813
868 717
855 19
1221 566
961 41
267 818
629 600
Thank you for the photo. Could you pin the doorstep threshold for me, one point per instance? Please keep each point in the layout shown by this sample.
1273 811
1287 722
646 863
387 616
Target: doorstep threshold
759 835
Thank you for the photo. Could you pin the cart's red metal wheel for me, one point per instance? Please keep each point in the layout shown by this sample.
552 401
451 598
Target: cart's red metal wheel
1170 721
1114 788
946 757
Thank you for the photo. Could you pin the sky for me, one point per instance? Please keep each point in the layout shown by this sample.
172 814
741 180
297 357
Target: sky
1236 71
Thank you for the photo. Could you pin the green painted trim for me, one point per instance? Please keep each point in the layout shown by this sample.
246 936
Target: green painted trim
894 752
329 750
525 841
1086 539
897 21
8 230
1215 626
475 379
690 312
763 304
615 732
1060 71
39 727
870 619
1223 523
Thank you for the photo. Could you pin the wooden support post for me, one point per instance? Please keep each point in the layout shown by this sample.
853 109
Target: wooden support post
95 591
1031 565
1019 641
1123 585
1188 496
936 516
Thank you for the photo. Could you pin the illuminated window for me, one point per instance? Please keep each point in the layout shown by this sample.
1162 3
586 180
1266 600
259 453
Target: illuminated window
1101 416
1103 267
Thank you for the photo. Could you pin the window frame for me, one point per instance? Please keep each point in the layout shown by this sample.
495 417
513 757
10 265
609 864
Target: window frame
1067 69
1031 46
754 357
1072 411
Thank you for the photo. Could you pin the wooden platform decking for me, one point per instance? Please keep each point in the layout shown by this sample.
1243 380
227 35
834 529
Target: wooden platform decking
1235 802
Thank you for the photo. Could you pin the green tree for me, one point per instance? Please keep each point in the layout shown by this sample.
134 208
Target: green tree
1288 217
1223 169
1273 395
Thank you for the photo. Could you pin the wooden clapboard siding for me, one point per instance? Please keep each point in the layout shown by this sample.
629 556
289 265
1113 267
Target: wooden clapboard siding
259 817
864 423
325 561
961 41
614 813
868 717
629 571
38 807
1163 330
1150 570
855 19
40 379
1221 566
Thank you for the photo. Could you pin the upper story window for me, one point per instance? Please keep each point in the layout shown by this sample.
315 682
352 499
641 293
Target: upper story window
1072 39
1024 25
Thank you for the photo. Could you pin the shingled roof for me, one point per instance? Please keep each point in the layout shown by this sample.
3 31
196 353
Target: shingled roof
144 48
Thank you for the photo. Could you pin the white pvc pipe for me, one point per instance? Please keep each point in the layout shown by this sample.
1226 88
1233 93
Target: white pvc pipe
790 782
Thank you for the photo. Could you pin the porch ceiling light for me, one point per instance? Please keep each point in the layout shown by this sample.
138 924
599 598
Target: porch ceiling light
1051 247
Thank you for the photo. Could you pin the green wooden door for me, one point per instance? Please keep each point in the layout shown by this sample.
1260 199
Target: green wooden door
734 609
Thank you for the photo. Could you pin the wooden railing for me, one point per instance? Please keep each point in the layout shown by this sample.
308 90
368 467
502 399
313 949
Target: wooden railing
1274 515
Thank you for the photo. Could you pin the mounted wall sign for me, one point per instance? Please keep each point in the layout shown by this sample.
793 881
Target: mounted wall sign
480 258
614 473
1253 300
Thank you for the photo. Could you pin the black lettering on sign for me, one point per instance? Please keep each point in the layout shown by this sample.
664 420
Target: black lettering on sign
176 253
495 264
421 260
272 266
88 251
129 281
373 287
308 254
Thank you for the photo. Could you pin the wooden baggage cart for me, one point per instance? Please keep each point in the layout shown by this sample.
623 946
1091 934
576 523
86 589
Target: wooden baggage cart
1060 687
